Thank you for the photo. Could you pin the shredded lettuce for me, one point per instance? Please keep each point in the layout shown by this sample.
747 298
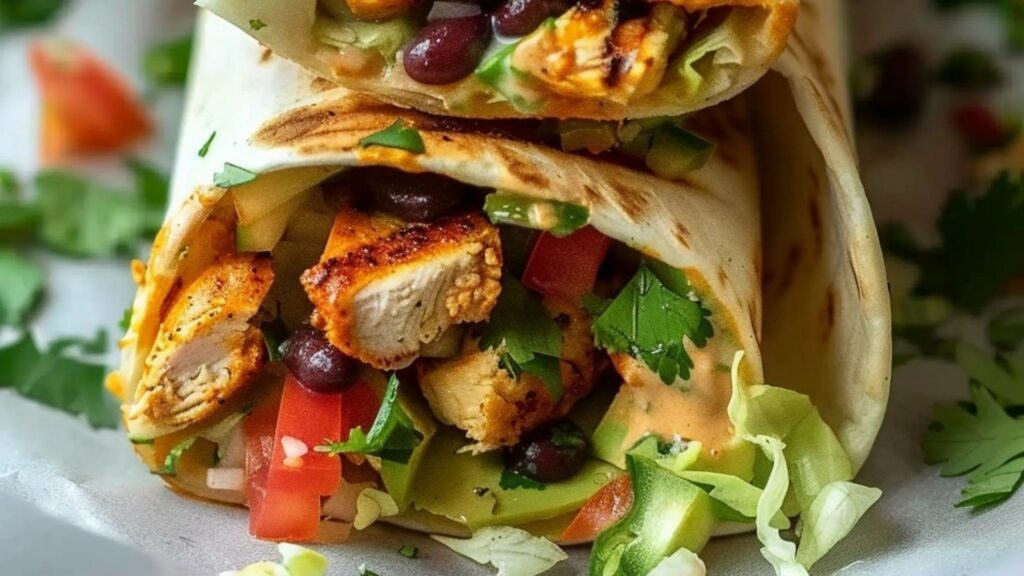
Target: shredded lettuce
808 460
295 561
682 563
512 551
372 505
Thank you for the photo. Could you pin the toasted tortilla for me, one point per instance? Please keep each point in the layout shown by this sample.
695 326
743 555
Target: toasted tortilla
809 294
714 63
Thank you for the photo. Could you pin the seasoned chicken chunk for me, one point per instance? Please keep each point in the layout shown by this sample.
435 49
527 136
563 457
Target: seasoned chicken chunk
474 393
589 52
382 292
378 9
206 349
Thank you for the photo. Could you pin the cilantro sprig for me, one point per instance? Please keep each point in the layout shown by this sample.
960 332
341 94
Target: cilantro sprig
650 319
399 135
527 337
393 436
54 378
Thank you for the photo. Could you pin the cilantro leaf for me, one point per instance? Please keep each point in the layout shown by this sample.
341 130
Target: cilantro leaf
969 69
57 381
20 289
10 188
409 551
21 13
126 319
392 436
166 63
981 241
1003 381
651 317
233 176
991 488
85 219
206 145
91 347
275 334
512 481
255 24
18 222
528 338
978 442
399 135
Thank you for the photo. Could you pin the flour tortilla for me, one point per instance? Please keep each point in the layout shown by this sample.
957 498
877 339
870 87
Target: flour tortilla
746 38
821 318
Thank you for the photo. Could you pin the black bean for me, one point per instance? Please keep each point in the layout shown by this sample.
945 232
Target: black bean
892 86
317 364
549 454
447 50
522 17
411 197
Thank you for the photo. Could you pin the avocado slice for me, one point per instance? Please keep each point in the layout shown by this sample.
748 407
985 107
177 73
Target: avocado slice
675 152
263 235
264 195
466 488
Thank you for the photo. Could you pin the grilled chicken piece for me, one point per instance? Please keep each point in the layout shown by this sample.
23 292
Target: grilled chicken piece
379 9
589 52
206 349
474 393
382 292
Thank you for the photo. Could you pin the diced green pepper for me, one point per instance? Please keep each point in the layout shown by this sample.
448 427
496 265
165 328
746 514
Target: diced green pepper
558 218
675 152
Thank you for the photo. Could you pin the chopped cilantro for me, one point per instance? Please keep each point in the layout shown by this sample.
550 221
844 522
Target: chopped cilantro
568 436
409 551
10 188
166 63
399 135
142 441
255 24
126 319
20 290
95 346
650 318
526 336
232 176
21 13
170 467
392 436
275 334
1005 380
969 69
206 145
984 442
85 219
58 381
512 481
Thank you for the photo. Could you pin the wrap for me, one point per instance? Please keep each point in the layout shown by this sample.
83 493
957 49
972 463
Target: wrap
598 60
777 250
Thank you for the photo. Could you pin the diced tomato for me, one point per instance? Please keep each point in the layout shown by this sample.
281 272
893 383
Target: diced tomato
606 507
311 418
86 107
359 407
566 267
981 128
274 514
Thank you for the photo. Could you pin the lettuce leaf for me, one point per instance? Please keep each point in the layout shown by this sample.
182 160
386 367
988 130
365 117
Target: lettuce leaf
682 563
834 512
512 551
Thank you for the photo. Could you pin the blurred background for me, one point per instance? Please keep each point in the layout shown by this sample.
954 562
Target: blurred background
91 94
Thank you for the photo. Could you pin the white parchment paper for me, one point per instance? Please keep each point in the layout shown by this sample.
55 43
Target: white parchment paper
77 501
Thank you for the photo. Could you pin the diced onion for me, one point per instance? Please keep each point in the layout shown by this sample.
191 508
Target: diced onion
226 479
443 10
294 450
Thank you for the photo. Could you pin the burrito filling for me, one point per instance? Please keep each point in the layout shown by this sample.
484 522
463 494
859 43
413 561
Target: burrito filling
407 346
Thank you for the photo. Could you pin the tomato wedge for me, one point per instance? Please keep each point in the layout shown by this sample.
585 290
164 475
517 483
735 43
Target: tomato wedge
274 514
309 418
566 267
86 107
606 507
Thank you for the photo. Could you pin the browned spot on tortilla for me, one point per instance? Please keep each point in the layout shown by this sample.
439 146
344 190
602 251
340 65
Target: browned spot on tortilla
592 196
682 234
522 170
321 85
789 268
723 276
633 201
266 55
815 213
755 317
353 114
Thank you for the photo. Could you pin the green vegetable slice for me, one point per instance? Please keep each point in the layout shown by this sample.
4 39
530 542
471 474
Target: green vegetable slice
558 218
233 176
399 135
650 318
206 145
20 289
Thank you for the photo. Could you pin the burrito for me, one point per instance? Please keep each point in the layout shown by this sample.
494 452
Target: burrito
361 313
599 59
